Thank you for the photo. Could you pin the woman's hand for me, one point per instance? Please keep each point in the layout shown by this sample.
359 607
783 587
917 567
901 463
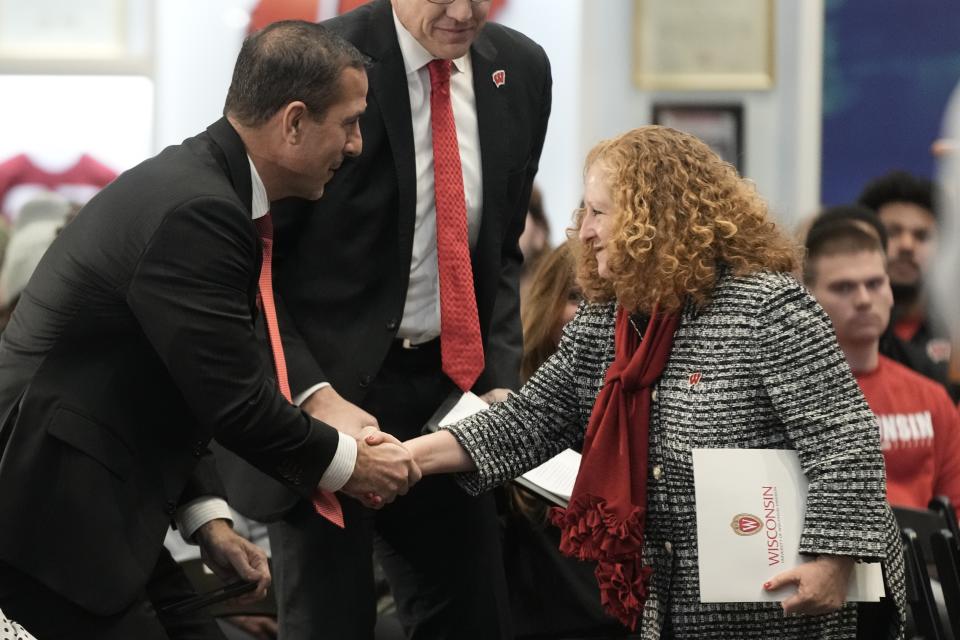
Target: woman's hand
821 585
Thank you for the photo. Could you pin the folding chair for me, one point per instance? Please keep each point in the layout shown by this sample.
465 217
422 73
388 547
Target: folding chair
942 505
919 594
946 553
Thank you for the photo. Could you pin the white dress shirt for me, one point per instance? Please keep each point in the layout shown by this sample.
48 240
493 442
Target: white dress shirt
421 312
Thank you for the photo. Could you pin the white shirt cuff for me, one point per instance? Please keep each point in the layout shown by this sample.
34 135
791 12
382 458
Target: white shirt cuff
341 467
199 512
301 397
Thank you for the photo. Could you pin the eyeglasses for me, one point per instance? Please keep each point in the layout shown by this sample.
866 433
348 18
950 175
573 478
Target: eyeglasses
452 1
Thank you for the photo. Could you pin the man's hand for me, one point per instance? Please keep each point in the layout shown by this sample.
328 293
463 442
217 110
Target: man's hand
821 585
384 469
232 556
327 406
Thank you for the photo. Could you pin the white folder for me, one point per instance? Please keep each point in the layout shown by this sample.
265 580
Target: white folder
750 510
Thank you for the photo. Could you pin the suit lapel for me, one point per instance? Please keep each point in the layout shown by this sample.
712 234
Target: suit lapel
491 114
234 160
236 165
388 84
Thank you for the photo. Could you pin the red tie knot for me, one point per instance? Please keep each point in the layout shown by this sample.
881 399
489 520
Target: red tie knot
264 225
439 74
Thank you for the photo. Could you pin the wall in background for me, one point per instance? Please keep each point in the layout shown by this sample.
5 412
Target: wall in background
889 68
590 46
781 136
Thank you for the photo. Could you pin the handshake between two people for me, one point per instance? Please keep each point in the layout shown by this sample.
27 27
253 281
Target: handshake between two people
384 468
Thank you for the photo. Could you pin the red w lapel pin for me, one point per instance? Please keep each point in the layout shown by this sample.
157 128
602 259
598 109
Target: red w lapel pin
499 77
694 379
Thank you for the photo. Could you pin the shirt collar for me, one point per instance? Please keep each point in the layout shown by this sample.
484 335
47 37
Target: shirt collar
260 205
415 57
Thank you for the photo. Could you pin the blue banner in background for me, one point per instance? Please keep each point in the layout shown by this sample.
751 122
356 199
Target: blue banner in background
889 67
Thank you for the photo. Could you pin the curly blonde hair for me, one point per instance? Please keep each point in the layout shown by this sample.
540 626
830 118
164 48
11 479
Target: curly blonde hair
680 215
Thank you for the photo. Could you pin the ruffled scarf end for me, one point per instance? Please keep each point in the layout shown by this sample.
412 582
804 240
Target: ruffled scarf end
623 589
590 530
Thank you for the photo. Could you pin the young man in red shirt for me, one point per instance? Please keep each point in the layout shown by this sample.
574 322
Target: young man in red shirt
917 337
846 270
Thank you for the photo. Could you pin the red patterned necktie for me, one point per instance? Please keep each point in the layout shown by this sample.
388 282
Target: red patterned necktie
325 503
461 348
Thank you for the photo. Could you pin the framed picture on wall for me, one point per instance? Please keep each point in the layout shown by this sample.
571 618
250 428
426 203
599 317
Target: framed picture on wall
704 45
718 125
66 36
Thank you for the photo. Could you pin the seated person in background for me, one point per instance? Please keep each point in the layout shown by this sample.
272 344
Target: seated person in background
917 338
919 425
551 303
534 241
38 223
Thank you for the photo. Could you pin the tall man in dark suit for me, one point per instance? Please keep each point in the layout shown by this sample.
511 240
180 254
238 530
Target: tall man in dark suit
392 321
134 344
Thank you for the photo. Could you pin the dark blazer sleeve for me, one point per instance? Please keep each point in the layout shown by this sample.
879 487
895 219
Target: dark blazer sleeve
190 294
504 345
204 481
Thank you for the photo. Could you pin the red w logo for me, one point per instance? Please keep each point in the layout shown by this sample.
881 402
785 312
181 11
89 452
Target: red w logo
744 524
749 524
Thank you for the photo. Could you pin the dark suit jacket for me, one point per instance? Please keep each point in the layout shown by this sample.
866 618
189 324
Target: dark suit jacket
132 346
343 266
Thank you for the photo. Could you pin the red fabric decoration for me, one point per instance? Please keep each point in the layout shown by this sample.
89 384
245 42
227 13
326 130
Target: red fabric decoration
605 518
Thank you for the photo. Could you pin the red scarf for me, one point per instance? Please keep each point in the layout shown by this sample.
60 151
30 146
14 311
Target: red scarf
605 517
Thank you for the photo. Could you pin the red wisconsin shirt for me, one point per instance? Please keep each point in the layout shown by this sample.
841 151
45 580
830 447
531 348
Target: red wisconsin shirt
919 434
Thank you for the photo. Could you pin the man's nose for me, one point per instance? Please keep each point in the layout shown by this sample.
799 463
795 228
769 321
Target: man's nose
906 243
354 144
460 10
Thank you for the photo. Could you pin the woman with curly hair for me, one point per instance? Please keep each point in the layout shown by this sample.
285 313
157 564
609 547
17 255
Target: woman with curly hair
694 334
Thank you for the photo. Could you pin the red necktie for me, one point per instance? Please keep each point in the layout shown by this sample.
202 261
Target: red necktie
324 502
461 349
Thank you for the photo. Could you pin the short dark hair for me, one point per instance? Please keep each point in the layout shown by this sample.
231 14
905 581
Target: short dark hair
842 230
898 186
286 61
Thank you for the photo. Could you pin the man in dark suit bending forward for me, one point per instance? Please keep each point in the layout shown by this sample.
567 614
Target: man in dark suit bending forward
134 344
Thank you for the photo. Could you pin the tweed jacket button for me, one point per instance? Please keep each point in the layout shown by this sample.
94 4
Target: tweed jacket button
653 393
657 472
668 547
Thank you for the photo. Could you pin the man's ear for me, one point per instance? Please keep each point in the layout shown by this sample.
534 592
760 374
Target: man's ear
293 118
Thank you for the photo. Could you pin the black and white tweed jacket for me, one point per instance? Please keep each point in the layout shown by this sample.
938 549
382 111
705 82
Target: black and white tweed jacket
771 375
